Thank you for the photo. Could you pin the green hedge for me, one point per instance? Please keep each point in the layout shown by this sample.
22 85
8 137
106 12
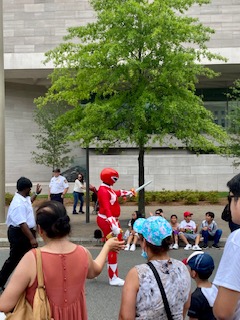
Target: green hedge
166 196
8 198
185 196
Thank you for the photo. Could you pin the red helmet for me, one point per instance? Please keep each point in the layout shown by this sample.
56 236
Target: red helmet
109 176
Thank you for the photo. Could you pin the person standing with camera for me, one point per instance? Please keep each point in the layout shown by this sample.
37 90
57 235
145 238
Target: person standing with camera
78 193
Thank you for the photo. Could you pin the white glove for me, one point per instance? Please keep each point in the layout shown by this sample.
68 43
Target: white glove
126 193
115 230
114 226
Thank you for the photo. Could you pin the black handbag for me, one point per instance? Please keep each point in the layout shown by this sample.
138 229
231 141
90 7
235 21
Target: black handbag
164 297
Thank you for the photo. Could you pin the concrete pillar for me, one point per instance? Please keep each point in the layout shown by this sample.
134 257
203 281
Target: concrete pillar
2 120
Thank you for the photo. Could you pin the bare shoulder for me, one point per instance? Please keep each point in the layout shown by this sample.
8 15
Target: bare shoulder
29 257
132 278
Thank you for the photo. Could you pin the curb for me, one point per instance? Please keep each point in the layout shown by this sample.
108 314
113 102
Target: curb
5 244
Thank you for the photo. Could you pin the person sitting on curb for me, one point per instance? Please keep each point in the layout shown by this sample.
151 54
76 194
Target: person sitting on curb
133 235
175 231
158 213
201 267
188 231
210 231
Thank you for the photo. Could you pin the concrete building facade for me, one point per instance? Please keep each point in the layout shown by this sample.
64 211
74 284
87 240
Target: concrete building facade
32 27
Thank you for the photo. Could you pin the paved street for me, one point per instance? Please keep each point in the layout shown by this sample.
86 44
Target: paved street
98 289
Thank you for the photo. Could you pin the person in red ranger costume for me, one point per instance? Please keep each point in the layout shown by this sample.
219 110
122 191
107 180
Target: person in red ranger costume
107 219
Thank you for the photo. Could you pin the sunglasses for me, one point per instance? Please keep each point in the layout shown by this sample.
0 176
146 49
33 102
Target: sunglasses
230 196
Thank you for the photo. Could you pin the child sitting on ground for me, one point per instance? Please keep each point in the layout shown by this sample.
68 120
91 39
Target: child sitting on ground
202 299
158 212
188 231
210 231
175 228
133 236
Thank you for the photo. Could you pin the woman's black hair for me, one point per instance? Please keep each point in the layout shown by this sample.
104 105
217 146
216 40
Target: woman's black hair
234 185
52 217
82 179
139 215
159 249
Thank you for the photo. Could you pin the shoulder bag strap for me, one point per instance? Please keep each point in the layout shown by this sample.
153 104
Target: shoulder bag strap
39 268
164 297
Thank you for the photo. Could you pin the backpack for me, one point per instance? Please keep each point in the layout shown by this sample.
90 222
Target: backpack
98 234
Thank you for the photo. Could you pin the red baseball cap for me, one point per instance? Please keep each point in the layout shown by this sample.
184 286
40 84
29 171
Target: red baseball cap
187 214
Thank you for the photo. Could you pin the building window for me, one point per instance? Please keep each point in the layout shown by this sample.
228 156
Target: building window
216 101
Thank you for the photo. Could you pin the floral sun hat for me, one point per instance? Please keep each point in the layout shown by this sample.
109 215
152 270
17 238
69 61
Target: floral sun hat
153 229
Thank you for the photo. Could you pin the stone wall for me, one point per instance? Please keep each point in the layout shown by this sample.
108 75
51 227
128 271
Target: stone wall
223 17
167 172
32 26
38 26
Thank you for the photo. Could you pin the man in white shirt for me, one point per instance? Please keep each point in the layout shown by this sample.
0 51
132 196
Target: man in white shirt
21 227
227 303
58 187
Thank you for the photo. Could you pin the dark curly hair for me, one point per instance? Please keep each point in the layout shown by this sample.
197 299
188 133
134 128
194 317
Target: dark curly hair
52 217
23 183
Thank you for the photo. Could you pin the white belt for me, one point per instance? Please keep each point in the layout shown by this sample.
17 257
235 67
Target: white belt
102 216
105 217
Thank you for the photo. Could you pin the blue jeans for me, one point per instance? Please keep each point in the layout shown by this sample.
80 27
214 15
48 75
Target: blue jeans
215 238
78 196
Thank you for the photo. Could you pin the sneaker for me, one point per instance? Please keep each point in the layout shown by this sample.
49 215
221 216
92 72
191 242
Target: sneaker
82 212
127 247
196 247
216 246
205 246
188 247
74 212
116 282
133 247
175 246
171 246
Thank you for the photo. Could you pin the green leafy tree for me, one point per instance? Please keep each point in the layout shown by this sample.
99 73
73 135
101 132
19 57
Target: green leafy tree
53 148
234 122
137 65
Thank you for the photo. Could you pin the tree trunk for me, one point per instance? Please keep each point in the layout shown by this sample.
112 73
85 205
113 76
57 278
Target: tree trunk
141 194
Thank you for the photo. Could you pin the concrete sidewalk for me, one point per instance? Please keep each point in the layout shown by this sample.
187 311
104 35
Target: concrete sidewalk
83 232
